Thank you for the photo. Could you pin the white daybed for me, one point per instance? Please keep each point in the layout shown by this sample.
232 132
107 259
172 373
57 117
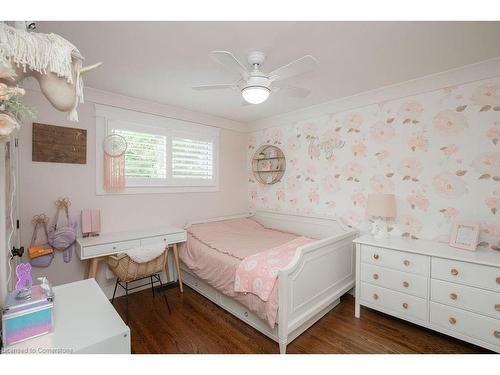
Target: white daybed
319 274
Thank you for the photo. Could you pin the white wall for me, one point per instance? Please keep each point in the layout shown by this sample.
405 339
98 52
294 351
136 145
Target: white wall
42 183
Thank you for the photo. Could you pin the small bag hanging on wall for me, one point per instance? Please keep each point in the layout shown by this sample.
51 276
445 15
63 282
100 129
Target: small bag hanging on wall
40 255
63 236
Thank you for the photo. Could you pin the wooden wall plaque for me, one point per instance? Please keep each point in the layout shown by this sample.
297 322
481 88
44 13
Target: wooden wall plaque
58 144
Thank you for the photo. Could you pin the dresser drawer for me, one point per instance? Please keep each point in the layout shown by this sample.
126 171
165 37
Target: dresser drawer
396 280
167 239
398 260
395 301
109 248
466 297
485 277
467 323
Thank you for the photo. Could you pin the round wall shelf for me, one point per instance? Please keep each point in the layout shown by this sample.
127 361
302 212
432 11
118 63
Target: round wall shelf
268 164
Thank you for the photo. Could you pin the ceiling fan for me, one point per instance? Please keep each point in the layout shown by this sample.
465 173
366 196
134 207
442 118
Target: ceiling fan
255 85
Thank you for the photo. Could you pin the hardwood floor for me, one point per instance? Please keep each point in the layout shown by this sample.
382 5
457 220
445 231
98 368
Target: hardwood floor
196 325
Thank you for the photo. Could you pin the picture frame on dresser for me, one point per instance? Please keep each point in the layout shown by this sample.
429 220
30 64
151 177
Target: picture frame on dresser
465 235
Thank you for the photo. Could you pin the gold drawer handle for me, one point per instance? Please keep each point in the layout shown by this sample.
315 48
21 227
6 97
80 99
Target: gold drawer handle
405 306
406 263
406 284
453 296
454 271
452 320
498 280
375 276
375 256
375 296
497 307
496 334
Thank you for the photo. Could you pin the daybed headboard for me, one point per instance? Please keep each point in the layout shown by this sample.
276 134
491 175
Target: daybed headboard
310 226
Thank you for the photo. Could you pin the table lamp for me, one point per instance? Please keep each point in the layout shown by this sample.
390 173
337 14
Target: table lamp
381 207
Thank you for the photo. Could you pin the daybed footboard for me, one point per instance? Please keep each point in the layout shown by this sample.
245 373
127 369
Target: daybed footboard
312 284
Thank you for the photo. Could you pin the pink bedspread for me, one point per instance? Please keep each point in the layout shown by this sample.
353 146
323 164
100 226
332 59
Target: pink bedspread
258 273
213 259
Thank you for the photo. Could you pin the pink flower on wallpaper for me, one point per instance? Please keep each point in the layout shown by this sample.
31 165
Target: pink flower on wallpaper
381 132
488 164
381 184
293 144
410 169
352 218
418 201
358 199
310 130
252 141
381 155
330 184
487 96
493 133
358 148
449 150
449 213
310 172
418 141
493 202
276 136
353 122
313 150
411 226
449 122
490 232
410 111
253 194
352 171
280 195
331 205
313 196
293 184
449 186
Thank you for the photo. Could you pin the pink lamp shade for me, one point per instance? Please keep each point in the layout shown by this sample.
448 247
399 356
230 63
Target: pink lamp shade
381 205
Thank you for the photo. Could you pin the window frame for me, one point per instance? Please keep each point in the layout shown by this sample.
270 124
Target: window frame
108 118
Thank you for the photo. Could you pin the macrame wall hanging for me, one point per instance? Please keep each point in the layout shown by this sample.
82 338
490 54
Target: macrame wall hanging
53 61
115 147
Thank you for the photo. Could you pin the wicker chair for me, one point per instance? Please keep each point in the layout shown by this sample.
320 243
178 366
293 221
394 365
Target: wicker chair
127 271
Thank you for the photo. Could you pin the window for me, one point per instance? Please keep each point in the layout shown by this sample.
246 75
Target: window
163 155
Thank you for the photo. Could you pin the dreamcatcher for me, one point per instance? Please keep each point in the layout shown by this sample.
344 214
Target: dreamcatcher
115 147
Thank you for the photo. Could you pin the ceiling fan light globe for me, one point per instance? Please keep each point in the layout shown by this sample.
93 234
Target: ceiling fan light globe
255 94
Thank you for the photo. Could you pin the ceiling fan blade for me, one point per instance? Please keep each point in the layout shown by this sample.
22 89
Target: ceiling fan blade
297 92
229 61
214 87
299 66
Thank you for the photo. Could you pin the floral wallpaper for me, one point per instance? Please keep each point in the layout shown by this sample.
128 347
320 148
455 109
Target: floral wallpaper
438 152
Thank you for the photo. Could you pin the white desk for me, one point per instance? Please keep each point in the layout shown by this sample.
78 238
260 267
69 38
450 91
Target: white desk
93 249
84 322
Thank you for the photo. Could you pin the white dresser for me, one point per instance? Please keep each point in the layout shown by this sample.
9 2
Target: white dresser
453 291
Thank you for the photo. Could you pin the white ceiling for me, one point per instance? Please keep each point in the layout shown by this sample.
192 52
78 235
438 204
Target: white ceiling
160 61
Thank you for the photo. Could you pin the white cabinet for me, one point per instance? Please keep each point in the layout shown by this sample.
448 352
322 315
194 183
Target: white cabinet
453 291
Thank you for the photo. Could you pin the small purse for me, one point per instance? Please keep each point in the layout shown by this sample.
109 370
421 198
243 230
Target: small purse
62 237
40 255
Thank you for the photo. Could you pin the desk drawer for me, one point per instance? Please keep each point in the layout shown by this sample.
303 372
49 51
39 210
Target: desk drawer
398 260
401 303
396 280
167 239
473 299
109 248
466 323
485 277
